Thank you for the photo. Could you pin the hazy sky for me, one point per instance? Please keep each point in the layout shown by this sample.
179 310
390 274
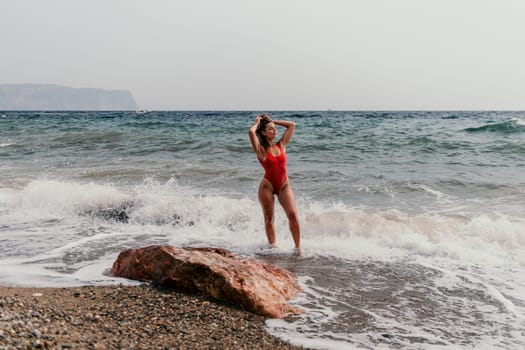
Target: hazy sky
274 54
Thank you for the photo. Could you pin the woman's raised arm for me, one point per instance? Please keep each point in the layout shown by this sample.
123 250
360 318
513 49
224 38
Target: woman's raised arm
256 145
290 128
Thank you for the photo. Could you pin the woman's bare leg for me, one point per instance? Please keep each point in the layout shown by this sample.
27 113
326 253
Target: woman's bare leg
267 205
287 200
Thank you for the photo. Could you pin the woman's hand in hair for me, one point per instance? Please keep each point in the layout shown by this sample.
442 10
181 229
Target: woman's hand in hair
266 117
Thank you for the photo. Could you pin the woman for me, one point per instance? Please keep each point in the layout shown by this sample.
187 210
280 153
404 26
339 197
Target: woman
272 157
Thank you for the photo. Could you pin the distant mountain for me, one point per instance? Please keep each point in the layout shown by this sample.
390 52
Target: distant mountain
56 97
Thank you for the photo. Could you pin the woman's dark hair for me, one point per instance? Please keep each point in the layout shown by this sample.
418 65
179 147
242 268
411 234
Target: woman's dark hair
262 126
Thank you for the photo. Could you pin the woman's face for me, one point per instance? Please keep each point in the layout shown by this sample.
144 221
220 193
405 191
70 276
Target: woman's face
270 132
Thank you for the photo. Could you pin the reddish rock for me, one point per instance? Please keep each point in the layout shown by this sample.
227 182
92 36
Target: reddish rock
253 285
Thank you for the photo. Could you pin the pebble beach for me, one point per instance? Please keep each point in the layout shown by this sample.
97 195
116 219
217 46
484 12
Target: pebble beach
126 317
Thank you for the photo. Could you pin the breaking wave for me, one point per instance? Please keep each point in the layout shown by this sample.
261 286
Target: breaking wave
514 125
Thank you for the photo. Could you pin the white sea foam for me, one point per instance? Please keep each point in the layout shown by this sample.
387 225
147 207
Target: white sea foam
439 195
518 121
183 215
355 232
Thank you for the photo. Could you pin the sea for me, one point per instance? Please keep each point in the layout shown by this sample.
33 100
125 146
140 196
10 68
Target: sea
412 223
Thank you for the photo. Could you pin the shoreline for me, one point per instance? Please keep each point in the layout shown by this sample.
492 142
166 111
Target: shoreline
126 317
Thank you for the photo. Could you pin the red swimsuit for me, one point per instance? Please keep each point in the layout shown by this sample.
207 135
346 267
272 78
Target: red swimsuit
275 169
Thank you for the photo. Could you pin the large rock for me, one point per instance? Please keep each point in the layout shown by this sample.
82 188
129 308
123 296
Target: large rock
251 284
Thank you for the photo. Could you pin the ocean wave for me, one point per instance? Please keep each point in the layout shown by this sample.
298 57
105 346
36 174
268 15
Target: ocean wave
88 137
404 187
300 115
337 228
145 124
507 148
513 125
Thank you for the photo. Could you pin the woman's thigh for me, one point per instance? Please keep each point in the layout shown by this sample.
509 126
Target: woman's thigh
266 199
287 200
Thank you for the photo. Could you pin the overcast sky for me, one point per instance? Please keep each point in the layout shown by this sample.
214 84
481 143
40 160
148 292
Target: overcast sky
274 54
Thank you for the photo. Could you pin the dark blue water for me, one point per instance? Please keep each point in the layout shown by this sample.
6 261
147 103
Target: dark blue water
334 155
